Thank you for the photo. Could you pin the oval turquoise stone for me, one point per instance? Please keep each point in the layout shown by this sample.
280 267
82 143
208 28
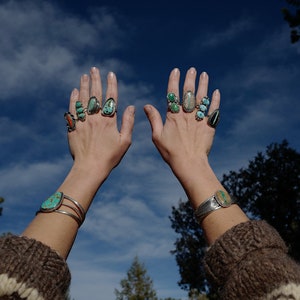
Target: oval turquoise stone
199 115
52 202
205 101
203 107
189 101
109 107
171 97
174 108
93 106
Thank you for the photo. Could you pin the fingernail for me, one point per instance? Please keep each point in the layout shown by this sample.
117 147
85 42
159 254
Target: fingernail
74 93
111 74
85 77
204 74
94 69
192 70
131 109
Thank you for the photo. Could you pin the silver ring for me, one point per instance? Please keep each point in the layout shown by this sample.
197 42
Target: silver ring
188 102
109 107
173 103
214 118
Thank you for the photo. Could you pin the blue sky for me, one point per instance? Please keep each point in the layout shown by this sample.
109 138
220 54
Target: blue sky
47 45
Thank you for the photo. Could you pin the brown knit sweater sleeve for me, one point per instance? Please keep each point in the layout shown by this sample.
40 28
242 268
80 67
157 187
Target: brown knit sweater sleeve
250 261
31 270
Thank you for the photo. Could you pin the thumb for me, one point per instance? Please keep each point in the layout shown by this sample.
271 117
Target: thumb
127 124
155 120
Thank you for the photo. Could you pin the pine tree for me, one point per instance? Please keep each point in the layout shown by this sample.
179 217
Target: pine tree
137 285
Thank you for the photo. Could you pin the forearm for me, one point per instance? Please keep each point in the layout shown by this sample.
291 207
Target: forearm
56 230
200 182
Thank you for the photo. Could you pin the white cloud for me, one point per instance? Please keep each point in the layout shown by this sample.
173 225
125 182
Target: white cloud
213 38
43 46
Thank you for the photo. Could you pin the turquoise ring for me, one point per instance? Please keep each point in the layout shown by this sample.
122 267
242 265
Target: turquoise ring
173 103
188 102
80 111
109 107
202 108
93 106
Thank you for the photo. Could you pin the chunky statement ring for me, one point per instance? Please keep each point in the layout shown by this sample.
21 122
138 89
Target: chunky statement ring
214 118
93 106
202 108
188 102
109 108
57 200
173 103
80 111
70 121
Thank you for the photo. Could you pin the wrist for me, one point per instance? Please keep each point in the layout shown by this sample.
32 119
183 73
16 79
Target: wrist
198 180
83 182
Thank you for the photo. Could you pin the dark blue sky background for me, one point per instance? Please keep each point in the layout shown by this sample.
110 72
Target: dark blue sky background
45 47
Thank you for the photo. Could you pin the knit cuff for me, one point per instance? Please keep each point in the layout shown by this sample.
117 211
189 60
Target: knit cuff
234 246
31 269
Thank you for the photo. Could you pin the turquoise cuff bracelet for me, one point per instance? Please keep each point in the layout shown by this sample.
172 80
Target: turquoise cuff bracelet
57 200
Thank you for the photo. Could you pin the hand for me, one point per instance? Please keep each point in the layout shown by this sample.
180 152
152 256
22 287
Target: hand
96 142
184 142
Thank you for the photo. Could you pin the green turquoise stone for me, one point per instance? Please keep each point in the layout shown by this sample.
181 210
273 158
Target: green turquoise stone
93 106
174 108
80 110
188 102
81 116
171 97
52 202
78 104
109 107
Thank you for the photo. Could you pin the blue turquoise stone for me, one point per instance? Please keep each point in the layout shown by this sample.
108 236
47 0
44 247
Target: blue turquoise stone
109 107
205 101
200 115
203 107
52 202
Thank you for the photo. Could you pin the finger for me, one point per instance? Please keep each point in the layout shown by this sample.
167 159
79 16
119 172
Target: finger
173 91
112 87
188 98
155 120
84 92
173 84
189 82
127 124
73 98
96 86
215 101
202 87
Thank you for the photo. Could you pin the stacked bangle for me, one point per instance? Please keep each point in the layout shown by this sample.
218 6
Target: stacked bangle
55 202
